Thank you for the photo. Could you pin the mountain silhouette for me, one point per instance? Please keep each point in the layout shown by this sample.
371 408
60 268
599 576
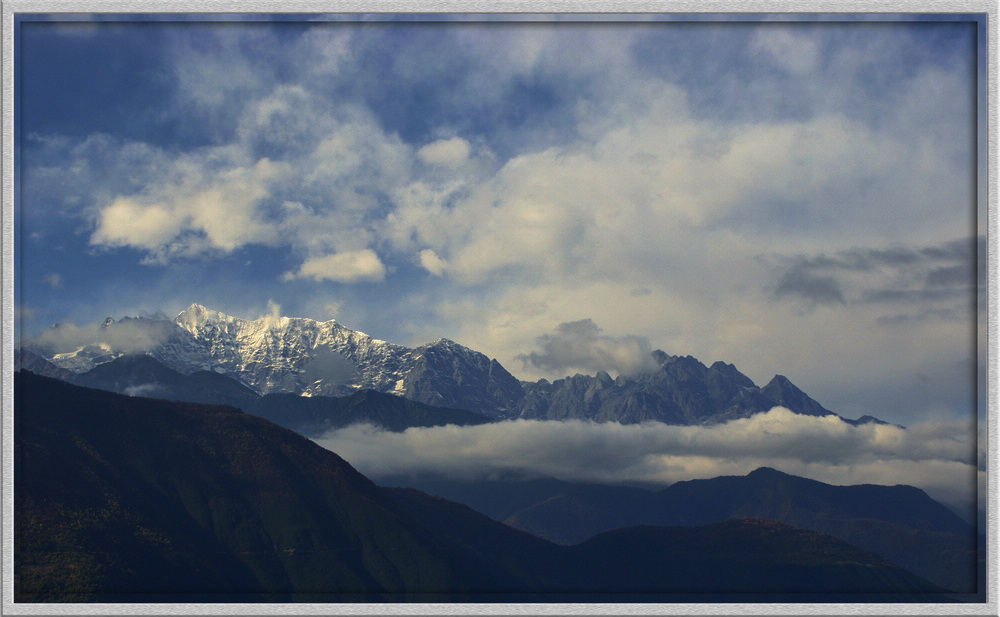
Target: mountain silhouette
900 523
141 375
131 499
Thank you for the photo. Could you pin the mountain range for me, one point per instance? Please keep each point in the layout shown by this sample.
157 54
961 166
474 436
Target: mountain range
312 416
307 357
901 523
103 499
131 499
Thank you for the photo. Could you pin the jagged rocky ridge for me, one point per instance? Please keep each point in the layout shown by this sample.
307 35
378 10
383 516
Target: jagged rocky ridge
311 416
304 356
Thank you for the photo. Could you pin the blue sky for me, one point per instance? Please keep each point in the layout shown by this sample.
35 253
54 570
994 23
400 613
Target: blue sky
795 197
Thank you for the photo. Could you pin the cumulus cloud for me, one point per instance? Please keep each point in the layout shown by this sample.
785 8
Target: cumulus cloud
192 212
941 458
581 345
446 152
430 261
345 267
298 174
641 178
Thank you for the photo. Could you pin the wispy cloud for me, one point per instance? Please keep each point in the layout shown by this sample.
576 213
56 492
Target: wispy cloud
23 312
932 280
129 336
795 52
798 282
146 389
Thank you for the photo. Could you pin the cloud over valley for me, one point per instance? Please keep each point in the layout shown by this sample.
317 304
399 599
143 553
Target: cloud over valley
940 458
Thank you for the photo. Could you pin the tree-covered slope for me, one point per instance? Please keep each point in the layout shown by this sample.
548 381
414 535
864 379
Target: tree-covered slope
131 499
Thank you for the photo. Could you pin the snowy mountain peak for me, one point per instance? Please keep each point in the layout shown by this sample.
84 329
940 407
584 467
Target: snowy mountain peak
275 353
303 356
196 316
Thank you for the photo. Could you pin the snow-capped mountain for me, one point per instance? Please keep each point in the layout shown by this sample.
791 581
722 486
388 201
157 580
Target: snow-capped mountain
308 357
300 355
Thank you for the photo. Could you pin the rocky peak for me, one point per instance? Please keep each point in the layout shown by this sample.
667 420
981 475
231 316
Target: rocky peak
196 317
730 371
781 391
305 356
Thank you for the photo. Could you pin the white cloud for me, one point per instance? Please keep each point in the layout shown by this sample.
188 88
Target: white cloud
353 152
432 263
345 267
193 211
645 173
299 173
447 152
125 222
649 186
939 457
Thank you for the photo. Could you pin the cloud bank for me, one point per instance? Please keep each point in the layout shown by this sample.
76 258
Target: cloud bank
940 458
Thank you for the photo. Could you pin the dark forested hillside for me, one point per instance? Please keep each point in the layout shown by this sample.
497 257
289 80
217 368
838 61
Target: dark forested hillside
130 499
901 523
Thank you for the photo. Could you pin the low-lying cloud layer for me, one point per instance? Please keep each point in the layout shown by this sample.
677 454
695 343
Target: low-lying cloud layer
940 458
